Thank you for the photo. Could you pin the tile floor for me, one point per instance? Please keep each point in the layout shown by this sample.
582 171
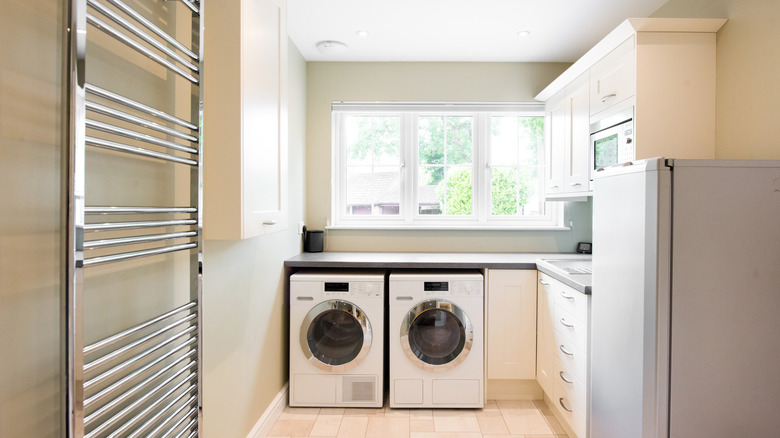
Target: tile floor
498 419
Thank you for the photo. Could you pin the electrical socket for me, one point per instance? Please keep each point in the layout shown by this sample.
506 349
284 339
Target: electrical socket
300 227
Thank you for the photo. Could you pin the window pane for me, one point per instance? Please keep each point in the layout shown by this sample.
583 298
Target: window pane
373 140
373 191
459 140
430 138
451 196
515 185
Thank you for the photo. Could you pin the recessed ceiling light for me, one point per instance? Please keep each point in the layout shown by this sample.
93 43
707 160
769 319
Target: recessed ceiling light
524 33
331 47
362 33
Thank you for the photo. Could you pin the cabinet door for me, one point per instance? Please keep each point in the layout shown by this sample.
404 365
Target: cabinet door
545 339
577 138
555 125
245 120
511 343
613 79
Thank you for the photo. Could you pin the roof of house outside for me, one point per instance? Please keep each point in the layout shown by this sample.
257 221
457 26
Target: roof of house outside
382 188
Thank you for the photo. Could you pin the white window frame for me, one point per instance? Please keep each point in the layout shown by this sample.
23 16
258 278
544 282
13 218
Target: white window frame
409 217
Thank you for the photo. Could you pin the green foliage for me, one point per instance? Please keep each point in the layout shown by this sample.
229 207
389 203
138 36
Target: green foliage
443 140
509 191
377 137
455 194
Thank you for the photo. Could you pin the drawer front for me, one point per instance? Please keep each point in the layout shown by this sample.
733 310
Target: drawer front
572 385
570 413
613 79
573 302
547 283
572 357
571 328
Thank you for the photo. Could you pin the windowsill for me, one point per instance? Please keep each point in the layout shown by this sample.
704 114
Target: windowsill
437 227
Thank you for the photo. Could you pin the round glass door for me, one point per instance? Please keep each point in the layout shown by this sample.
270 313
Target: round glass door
436 335
335 336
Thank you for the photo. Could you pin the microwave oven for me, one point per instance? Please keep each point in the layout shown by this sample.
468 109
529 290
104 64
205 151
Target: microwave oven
612 140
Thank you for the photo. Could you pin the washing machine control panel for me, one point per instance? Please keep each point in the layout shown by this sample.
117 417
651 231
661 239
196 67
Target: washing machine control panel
452 288
353 288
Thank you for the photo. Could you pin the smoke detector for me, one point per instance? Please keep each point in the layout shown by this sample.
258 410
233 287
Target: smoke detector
331 47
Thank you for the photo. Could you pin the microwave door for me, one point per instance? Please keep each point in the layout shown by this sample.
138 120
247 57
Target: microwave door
605 148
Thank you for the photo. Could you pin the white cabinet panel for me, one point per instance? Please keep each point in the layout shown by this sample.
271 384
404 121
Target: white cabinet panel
511 308
545 337
613 79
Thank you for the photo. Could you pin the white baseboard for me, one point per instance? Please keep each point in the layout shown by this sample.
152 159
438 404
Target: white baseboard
263 426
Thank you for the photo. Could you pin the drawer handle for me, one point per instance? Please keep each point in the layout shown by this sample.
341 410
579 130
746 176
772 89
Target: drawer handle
544 283
566 324
270 222
564 351
607 97
554 187
576 184
564 378
560 400
568 297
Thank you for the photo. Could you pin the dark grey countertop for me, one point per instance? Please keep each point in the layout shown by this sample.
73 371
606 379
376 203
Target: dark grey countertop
416 260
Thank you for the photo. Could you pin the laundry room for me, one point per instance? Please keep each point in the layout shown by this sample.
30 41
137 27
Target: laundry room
276 218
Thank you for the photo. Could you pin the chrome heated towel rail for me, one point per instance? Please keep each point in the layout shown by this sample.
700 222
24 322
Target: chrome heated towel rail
132 189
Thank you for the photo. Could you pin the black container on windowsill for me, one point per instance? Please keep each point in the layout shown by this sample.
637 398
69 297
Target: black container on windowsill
312 240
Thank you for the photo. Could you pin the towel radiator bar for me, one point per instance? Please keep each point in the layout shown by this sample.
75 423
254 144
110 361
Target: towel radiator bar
145 380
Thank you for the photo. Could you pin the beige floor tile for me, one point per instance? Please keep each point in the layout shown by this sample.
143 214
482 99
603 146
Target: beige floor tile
364 412
445 435
455 420
384 427
542 436
505 436
421 414
291 428
299 413
490 410
396 413
421 425
492 425
326 425
516 404
331 411
353 427
528 422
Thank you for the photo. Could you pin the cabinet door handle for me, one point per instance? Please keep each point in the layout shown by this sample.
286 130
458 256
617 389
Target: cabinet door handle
554 187
564 378
544 283
564 351
607 97
566 324
568 297
560 400
576 184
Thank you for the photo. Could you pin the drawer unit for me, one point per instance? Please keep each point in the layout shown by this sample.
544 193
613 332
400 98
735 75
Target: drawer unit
571 328
572 414
572 385
574 302
574 358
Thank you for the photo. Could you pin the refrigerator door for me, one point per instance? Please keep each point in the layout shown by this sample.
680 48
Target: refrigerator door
629 339
726 299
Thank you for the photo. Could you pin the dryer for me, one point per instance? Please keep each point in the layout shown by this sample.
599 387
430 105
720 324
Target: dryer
436 354
337 339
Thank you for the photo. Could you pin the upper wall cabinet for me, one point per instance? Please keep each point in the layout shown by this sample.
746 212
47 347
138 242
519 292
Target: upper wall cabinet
663 68
245 119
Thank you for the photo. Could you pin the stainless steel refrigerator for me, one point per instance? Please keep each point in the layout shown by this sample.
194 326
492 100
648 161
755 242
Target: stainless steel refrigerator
685 311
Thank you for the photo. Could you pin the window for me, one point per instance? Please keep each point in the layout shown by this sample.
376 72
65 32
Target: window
439 166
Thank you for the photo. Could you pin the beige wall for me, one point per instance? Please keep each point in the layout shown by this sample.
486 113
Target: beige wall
748 65
422 81
245 315
30 144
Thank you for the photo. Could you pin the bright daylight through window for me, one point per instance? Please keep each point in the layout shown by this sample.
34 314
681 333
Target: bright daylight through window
464 166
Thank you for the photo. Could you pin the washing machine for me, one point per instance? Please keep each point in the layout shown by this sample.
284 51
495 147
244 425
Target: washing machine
436 354
337 339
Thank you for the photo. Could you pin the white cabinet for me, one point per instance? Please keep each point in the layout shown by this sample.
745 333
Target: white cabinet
567 168
511 324
245 119
612 78
562 362
663 68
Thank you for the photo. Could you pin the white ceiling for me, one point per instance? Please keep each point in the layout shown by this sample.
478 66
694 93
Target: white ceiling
458 30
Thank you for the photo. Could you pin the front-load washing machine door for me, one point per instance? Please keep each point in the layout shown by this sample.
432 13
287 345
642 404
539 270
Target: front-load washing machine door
335 336
436 335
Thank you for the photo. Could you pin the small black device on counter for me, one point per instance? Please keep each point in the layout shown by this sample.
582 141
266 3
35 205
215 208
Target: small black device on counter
585 248
312 240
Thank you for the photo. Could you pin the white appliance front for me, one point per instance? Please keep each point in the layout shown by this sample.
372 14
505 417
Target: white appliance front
336 339
436 353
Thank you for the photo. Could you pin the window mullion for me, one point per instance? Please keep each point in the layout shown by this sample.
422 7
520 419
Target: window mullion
409 174
481 170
